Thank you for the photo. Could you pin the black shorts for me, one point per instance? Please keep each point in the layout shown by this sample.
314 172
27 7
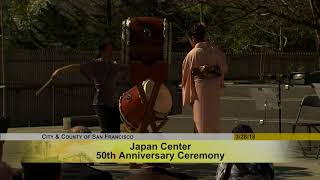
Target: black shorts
109 118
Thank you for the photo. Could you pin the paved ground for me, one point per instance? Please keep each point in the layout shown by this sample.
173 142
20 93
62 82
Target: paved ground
237 107
303 168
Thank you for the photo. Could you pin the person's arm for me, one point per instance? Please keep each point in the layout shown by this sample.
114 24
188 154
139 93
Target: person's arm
68 68
188 87
222 62
185 70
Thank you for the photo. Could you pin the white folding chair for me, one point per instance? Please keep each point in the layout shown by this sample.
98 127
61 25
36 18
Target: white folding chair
308 101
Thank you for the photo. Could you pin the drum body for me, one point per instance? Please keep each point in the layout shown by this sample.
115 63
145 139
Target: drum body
146 47
146 39
133 103
163 103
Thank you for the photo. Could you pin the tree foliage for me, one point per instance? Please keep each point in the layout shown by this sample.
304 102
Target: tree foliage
246 25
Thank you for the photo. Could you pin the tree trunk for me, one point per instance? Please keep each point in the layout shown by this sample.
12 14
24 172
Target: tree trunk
315 9
109 14
2 64
316 13
317 39
280 38
201 12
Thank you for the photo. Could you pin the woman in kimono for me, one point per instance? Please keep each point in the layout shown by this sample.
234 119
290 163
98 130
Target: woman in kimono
203 72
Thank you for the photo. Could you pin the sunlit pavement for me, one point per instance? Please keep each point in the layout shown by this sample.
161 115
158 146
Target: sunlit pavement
237 106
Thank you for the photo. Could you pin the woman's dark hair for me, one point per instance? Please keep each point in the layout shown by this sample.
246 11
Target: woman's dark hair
242 128
102 46
198 31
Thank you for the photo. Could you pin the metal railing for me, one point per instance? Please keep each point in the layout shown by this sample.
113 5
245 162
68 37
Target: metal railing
27 109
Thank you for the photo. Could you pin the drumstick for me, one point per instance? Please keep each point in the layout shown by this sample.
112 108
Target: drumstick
44 86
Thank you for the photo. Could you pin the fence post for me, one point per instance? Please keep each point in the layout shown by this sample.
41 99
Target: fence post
318 60
53 97
3 69
53 105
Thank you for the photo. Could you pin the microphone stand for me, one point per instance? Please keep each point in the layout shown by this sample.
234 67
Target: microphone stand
279 80
279 102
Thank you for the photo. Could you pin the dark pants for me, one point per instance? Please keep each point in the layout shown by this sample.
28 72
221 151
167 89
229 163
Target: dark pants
109 118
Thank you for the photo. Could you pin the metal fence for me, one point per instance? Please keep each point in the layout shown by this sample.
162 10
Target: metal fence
71 94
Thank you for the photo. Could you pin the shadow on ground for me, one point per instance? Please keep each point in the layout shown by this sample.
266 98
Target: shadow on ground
200 171
119 175
292 172
208 171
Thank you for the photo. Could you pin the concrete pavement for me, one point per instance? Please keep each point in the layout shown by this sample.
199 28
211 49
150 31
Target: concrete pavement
237 106
303 168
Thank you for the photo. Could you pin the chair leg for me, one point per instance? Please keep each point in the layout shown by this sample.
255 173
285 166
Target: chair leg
302 149
297 119
294 128
318 153
299 113
316 129
309 142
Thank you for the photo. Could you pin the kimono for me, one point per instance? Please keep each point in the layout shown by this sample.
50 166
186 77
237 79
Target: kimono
203 94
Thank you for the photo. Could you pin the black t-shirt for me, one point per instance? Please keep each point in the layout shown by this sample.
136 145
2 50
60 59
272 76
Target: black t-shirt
110 80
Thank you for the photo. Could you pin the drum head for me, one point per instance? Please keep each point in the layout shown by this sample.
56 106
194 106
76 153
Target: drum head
163 102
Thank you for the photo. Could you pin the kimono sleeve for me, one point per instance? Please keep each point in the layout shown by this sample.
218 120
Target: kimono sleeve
223 63
223 67
188 86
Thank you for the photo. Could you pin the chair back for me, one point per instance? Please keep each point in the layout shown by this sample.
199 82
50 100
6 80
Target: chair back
311 101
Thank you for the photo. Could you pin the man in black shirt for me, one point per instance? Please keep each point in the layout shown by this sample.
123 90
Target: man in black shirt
110 80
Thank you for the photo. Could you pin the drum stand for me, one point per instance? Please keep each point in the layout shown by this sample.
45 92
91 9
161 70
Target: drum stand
156 128
149 118
153 124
